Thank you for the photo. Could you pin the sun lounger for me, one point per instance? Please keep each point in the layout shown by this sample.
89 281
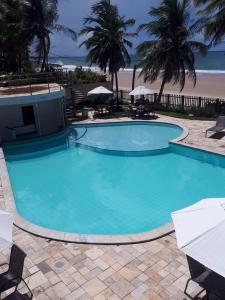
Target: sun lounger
220 125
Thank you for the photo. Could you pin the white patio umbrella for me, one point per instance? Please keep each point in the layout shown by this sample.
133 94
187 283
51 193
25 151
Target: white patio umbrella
6 225
101 90
141 91
200 232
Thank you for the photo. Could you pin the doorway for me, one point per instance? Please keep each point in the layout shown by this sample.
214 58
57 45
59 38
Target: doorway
28 115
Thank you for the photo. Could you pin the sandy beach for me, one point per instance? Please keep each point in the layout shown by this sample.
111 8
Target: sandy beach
208 85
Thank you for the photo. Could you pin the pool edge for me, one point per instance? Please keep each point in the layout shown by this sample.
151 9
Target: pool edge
8 203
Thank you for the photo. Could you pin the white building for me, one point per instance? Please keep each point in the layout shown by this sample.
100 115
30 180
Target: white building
36 115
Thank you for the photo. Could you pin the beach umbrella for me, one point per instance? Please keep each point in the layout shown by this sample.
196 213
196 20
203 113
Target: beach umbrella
100 91
6 225
141 91
200 232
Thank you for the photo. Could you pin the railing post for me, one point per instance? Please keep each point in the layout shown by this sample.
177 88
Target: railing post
182 102
30 86
217 105
48 83
168 100
121 94
155 97
199 102
60 76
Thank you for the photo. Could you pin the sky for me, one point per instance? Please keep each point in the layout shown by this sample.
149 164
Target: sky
72 13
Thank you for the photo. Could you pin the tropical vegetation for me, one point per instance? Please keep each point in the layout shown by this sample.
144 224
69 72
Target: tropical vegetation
25 24
107 38
85 76
170 50
212 20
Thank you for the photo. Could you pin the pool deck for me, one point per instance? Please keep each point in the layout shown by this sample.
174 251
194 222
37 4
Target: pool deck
155 270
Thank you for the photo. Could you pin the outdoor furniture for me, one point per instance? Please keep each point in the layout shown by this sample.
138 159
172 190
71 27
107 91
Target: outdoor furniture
200 235
198 273
101 90
148 109
102 110
6 225
140 110
13 276
220 125
132 111
140 91
16 295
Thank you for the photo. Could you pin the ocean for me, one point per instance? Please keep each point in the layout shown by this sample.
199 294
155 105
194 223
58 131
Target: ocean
212 63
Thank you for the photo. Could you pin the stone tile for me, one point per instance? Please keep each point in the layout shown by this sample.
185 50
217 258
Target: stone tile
94 253
122 288
129 273
58 291
94 287
77 294
79 278
44 267
36 280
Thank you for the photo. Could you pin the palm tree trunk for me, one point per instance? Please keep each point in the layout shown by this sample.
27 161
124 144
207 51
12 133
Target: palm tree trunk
133 82
117 89
161 90
44 57
112 79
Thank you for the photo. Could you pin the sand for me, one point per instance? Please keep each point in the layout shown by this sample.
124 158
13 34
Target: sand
208 85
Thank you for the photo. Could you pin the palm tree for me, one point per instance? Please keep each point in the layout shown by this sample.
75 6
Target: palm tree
171 51
41 21
23 23
212 19
107 39
13 41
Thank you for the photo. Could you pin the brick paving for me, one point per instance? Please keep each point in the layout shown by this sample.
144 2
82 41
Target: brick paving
155 270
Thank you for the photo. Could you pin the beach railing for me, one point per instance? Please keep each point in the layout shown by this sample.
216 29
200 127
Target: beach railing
31 83
182 103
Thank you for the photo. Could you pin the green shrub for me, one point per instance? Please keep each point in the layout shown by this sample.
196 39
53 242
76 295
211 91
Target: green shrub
80 75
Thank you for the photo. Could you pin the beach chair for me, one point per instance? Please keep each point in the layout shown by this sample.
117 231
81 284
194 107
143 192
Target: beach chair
132 111
148 109
13 276
17 295
199 274
220 125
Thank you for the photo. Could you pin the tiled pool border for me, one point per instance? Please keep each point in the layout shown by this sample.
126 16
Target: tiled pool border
9 205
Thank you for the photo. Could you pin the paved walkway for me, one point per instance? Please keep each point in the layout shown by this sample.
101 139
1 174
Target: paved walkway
155 270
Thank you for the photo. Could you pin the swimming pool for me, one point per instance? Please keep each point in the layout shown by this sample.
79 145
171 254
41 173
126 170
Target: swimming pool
110 179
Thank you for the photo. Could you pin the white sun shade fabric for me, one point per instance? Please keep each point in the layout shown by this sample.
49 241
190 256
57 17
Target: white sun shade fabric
200 232
141 91
100 90
6 225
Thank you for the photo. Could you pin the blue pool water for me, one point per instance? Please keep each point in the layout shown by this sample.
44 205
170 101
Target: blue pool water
60 184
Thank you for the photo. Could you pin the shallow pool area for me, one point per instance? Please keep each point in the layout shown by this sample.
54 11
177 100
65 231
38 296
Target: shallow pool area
63 183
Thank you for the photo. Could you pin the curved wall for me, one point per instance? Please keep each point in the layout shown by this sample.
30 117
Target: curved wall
47 110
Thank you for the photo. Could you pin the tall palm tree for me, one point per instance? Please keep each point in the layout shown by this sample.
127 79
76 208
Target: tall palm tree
171 51
107 38
41 21
23 22
212 19
13 41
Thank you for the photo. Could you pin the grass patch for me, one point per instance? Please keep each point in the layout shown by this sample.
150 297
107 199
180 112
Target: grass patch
185 116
